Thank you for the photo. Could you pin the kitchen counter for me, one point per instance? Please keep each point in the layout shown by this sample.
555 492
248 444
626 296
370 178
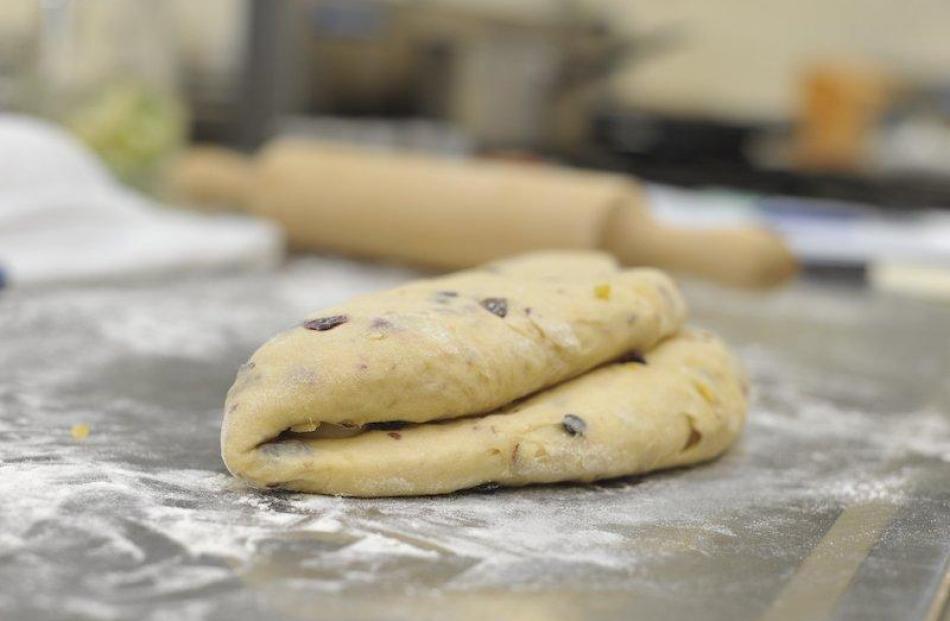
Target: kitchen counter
834 504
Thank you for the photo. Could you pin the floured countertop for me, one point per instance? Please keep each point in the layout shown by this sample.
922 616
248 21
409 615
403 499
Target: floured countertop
836 502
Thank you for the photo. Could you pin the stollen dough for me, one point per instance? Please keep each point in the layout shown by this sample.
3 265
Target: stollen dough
388 394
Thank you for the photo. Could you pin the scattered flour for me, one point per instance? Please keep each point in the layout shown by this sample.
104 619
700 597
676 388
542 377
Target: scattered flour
142 511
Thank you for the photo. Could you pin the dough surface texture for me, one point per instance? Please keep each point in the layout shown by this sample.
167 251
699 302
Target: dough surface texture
542 368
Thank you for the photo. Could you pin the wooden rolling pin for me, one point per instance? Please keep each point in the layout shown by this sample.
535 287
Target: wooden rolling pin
458 213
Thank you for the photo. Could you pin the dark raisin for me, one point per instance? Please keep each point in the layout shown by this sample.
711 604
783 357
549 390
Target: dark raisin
381 324
632 356
390 425
694 438
323 324
574 425
395 435
498 306
484 487
527 310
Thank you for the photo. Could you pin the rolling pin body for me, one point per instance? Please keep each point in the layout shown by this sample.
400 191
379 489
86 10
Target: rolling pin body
452 214
441 213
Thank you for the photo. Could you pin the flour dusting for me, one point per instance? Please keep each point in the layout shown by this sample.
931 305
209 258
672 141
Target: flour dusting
140 519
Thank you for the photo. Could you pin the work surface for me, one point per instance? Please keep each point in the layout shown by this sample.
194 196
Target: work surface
836 501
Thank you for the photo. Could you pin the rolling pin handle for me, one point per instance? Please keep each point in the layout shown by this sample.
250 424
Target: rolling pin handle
745 257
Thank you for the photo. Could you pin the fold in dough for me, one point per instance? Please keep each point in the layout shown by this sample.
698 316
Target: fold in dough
416 390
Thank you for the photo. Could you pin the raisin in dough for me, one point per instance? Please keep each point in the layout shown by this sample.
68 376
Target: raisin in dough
314 408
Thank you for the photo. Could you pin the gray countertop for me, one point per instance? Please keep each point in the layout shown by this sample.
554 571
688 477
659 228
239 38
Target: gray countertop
834 504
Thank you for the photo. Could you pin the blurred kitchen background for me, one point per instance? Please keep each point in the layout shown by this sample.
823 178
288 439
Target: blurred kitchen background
826 120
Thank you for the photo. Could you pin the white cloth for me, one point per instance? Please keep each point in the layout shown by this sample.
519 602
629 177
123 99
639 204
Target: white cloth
63 218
